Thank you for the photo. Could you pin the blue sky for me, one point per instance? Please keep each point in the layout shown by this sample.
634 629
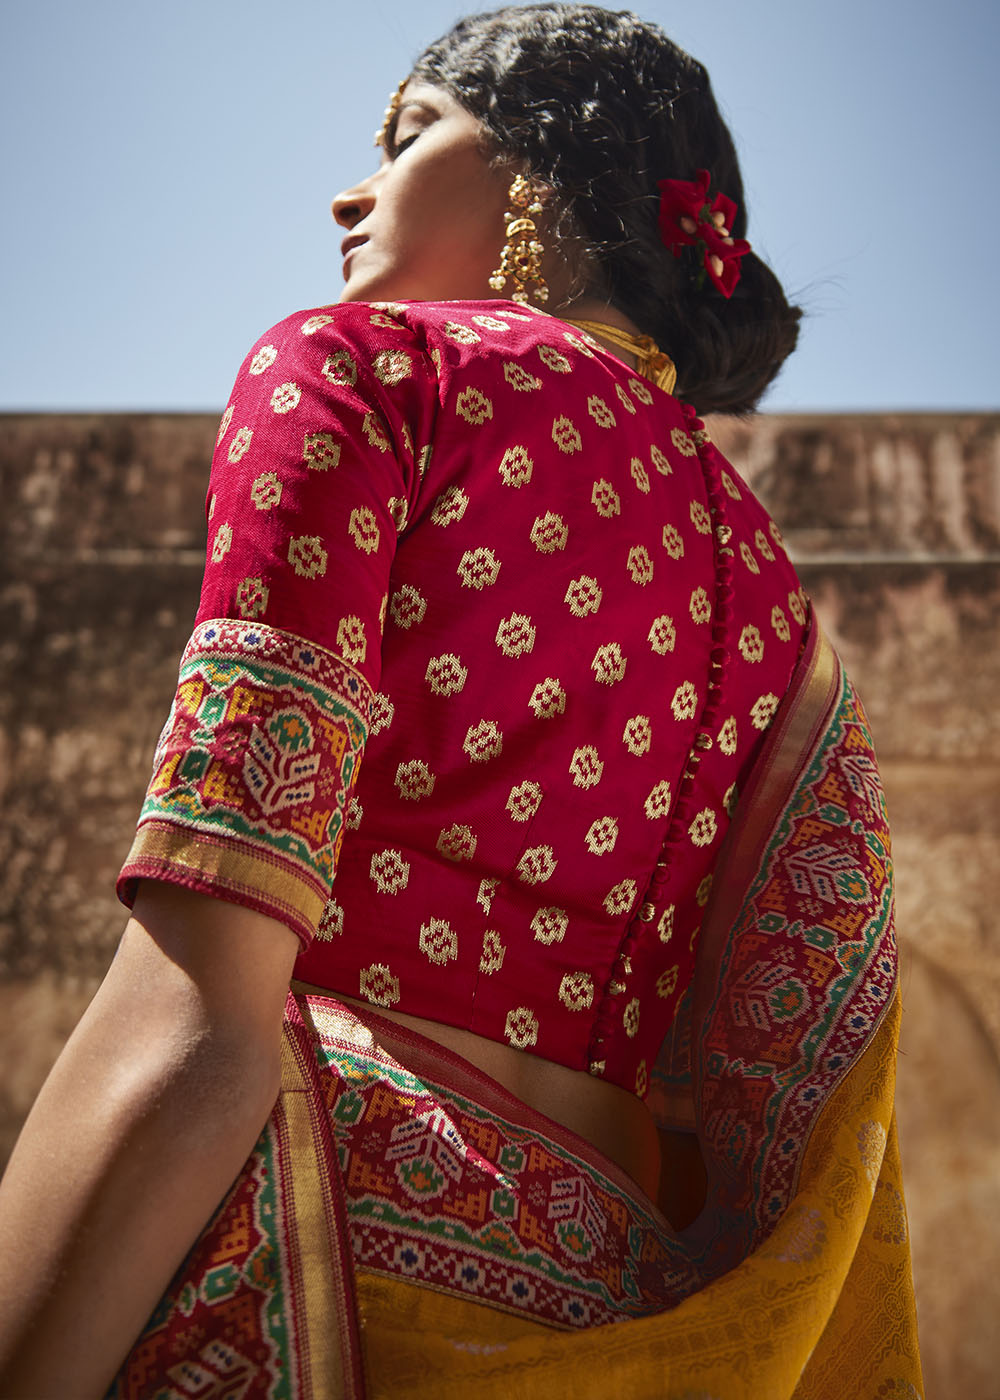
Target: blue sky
168 170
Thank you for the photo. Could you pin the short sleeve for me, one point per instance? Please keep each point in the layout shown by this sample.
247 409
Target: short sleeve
315 472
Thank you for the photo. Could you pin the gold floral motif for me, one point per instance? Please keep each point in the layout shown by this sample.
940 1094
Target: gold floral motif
449 507
389 872
340 368
600 412
363 529
438 941
222 543
492 956
515 315
763 547
382 713
307 556
355 815
630 1018
703 891
382 322
554 359
641 1080
685 701
548 699
462 335
314 324
583 596
797 606
227 418
536 865
331 925
732 490
483 741
516 467
640 475
728 737
666 983
682 442
730 799
266 491
576 991
445 674
516 635
780 624
608 664
640 390
490 323
871 1149
550 925
351 639
700 437
285 398
424 461
605 499
586 767
524 800
660 460
320 450
665 928
565 435
521 1028
478 568
392 366
700 518
263 360
640 565
620 898
374 430
549 533
473 406
751 644
484 895
624 399
519 378
378 986
775 534
585 343
414 780
748 557
457 842
699 607
672 541
251 597
638 735
239 445
763 711
408 607
657 804
381 613
662 636
211 507
602 836
704 827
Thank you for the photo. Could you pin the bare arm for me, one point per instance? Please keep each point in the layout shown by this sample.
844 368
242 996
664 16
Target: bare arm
138 1132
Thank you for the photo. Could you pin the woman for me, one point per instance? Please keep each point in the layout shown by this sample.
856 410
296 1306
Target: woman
613 875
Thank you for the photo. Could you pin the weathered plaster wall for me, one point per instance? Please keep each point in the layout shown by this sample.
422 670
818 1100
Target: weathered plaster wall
895 524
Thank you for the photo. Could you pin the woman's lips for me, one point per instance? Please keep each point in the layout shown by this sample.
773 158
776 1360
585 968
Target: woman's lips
348 248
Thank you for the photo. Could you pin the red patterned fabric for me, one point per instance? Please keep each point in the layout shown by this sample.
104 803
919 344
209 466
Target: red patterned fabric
576 623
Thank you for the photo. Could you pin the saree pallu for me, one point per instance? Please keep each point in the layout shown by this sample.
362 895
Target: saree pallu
404 1223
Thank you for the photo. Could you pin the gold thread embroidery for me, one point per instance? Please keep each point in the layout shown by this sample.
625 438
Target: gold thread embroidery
445 674
414 780
478 568
550 925
549 533
263 360
576 991
586 767
548 699
307 556
320 450
438 941
266 491
379 986
389 872
516 467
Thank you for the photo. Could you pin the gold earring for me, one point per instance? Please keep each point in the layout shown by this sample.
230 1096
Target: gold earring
521 259
390 113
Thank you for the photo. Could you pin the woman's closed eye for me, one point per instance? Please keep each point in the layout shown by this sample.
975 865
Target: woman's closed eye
396 147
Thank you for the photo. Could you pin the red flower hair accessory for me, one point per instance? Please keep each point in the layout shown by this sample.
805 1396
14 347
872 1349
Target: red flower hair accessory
688 218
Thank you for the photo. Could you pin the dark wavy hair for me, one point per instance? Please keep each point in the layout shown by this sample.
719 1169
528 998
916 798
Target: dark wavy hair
599 106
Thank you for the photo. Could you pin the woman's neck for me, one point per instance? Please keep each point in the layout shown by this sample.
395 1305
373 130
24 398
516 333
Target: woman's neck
594 309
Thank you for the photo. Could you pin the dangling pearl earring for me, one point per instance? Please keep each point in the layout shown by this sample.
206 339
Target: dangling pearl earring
521 261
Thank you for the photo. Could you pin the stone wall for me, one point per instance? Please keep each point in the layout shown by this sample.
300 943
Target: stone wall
895 525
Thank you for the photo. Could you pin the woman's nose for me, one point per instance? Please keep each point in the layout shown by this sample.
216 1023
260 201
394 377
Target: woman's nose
351 206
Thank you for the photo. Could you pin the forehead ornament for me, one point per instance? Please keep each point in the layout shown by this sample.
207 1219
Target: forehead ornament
390 114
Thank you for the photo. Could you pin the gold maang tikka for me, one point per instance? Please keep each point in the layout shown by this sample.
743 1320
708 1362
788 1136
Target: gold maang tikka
390 114
521 259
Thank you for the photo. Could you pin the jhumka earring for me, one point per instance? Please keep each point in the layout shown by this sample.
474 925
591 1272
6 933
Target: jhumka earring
521 259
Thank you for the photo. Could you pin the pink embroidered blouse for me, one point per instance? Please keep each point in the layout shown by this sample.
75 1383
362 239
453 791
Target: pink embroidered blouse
467 544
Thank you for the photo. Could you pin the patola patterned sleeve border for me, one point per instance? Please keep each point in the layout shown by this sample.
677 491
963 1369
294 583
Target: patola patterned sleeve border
253 773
